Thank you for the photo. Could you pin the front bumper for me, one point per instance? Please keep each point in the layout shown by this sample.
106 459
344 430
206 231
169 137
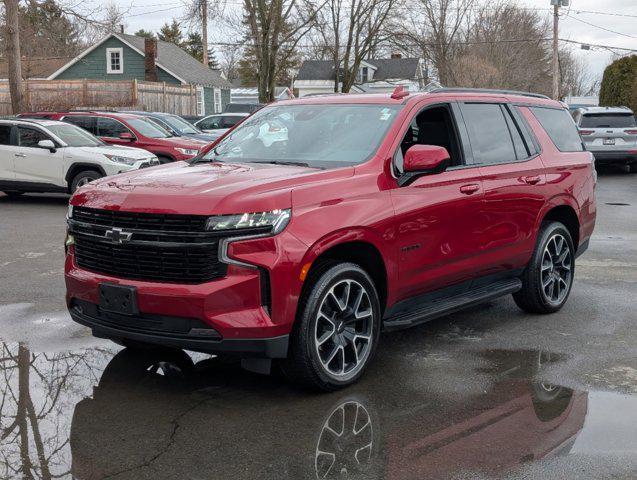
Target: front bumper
172 332
609 157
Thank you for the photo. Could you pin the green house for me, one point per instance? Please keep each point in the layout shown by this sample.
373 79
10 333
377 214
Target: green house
127 57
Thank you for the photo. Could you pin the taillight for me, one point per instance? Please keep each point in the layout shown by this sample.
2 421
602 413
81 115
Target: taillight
586 132
631 132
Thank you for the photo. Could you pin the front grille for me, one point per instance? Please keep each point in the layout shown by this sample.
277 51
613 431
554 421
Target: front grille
162 248
144 221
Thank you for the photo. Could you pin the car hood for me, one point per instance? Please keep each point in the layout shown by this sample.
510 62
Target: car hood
130 152
202 189
185 142
204 137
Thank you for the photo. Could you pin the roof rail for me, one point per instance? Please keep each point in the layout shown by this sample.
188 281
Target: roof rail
488 90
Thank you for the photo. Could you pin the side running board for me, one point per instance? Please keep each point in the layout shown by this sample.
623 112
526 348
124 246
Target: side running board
443 306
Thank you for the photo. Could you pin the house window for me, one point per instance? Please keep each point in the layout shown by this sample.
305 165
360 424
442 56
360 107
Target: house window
364 74
114 60
217 100
201 106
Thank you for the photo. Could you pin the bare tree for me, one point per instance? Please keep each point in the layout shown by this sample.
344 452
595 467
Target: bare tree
434 28
350 32
274 29
13 56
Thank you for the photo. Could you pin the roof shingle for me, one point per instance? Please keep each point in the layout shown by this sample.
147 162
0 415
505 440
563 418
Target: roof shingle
179 62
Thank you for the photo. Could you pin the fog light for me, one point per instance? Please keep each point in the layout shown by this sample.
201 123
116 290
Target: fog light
68 243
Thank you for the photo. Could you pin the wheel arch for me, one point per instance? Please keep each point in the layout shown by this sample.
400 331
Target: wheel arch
360 251
566 214
78 167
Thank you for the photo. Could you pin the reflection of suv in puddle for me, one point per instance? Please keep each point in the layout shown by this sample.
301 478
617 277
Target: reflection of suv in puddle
189 422
317 222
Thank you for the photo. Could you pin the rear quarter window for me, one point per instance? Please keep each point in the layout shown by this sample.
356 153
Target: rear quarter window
560 127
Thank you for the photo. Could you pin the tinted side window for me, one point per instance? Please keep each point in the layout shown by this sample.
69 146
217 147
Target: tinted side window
107 127
559 125
488 132
29 137
87 123
5 134
210 123
230 121
519 144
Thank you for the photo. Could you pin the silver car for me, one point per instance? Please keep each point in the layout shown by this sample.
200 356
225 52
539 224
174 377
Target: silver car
610 133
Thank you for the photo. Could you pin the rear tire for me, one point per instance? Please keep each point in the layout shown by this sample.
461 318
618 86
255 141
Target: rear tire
633 168
548 278
337 328
83 178
13 194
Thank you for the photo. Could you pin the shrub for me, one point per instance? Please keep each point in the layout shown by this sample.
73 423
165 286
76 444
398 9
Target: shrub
619 84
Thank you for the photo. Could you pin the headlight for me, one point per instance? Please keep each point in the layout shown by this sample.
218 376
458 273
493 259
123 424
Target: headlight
276 219
188 151
120 159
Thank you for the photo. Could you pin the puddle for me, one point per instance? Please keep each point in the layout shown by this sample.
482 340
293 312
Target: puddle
100 413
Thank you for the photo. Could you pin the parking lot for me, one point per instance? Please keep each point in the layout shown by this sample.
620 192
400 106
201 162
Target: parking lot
488 393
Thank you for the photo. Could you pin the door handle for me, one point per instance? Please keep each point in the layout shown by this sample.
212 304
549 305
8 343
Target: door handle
470 189
532 180
22 155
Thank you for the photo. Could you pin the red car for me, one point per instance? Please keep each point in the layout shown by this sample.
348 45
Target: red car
130 130
318 223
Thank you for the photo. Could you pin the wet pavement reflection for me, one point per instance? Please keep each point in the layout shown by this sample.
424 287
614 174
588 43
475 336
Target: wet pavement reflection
101 413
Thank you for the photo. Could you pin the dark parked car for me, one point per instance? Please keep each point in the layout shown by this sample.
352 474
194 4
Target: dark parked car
176 125
242 107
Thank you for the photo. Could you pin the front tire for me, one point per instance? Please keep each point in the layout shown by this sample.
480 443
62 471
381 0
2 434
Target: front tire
548 278
337 328
83 178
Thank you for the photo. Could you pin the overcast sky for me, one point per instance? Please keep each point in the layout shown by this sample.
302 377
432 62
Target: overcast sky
152 14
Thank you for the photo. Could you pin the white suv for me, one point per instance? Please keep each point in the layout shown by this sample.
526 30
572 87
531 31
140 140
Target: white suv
51 156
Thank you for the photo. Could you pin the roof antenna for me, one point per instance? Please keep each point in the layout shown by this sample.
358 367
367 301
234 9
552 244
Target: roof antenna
399 92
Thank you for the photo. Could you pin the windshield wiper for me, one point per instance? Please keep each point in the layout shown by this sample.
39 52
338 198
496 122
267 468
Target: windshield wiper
279 162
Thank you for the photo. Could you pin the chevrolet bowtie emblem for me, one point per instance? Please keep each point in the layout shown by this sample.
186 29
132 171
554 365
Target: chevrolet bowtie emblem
117 235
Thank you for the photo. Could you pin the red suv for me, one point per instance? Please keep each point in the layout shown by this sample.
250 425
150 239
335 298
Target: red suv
130 130
356 214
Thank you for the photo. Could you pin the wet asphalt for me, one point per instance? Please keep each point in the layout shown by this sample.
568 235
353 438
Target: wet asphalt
487 393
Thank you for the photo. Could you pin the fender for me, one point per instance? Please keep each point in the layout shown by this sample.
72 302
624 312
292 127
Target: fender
356 234
558 200
75 167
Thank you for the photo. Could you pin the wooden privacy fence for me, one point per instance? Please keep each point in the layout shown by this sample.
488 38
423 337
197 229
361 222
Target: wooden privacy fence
99 94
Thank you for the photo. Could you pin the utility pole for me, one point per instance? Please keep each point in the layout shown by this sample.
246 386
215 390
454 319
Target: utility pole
204 31
556 60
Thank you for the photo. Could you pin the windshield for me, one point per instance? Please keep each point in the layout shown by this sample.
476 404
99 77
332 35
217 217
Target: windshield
147 128
75 136
323 136
608 120
180 125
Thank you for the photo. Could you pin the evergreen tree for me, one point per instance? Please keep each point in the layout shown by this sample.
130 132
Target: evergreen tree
619 84
171 33
144 33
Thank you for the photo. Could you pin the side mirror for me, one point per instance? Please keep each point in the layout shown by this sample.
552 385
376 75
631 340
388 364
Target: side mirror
126 136
48 144
423 160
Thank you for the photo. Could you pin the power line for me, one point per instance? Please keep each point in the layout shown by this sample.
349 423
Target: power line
601 28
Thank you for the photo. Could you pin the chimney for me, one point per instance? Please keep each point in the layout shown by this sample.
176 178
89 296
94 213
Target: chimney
121 28
396 55
150 54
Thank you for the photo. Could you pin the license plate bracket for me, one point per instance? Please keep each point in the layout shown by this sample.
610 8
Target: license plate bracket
119 299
